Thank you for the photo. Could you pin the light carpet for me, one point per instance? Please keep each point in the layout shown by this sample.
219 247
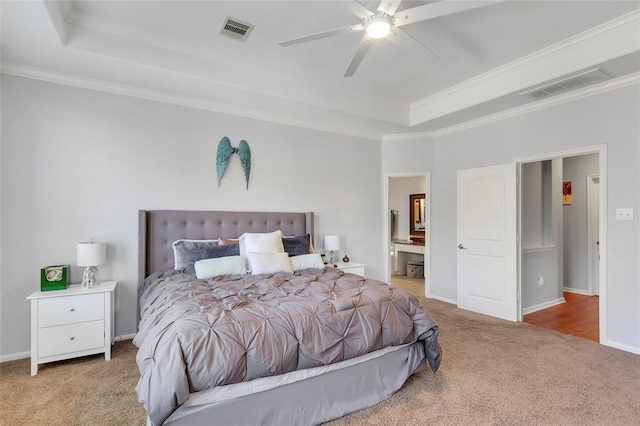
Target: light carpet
493 372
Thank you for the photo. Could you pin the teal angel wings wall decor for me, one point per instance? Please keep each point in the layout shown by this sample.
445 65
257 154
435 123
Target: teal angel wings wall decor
225 151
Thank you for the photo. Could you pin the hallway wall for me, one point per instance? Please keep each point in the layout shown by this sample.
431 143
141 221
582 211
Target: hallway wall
574 218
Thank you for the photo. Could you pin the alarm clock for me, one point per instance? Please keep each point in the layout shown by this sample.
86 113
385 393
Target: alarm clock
54 277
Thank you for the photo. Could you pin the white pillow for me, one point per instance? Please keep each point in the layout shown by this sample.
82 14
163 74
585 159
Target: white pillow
268 263
306 261
230 265
268 242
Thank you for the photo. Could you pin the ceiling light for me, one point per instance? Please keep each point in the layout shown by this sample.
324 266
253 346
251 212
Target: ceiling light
378 26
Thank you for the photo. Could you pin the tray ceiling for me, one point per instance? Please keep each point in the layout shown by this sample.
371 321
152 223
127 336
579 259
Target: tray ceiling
487 56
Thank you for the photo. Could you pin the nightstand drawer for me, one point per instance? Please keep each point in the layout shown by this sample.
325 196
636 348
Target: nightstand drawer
358 270
70 309
351 267
70 338
71 323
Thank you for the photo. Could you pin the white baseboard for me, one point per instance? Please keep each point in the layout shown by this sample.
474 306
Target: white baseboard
125 337
13 357
442 299
577 291
542 306
621 346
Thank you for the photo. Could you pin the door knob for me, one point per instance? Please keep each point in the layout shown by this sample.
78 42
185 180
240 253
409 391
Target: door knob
461 247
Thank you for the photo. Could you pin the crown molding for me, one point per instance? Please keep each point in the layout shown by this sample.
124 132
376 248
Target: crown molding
408 136
172 98
165 97
621 32
596 89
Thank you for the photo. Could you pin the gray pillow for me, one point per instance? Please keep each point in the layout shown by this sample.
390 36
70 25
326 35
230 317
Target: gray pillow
188 252
297 245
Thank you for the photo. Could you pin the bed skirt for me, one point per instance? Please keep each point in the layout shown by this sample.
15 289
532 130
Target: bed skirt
313 400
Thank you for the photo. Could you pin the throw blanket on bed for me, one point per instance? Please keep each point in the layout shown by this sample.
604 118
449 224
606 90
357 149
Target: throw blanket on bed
197 334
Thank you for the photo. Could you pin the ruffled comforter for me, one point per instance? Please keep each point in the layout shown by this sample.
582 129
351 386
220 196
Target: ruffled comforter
197 334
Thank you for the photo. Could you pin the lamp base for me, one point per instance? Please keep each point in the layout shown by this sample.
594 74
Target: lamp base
89 277
332 256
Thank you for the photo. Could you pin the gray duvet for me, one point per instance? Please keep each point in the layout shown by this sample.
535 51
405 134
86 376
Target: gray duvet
197 334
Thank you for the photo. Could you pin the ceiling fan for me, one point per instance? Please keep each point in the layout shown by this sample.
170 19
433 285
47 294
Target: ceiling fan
386 22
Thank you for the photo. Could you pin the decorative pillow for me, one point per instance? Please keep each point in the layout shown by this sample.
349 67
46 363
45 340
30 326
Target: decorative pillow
298 245
230 265
307 261
187 252
227 241
269 242
268 263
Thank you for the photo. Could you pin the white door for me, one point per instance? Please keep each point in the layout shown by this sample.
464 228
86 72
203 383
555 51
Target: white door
487 248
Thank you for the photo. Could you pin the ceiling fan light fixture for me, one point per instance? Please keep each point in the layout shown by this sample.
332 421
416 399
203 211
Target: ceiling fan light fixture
378 27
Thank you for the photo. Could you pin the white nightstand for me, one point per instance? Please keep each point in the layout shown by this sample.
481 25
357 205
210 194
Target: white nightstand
71 323
351 267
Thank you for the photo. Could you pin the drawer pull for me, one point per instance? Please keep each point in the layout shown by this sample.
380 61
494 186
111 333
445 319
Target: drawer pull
73 309
73 338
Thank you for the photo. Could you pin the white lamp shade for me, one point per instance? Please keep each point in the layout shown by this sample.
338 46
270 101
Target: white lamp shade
92 254
332 242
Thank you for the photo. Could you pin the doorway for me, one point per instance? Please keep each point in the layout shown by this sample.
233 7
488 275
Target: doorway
560 270
527 279
404 243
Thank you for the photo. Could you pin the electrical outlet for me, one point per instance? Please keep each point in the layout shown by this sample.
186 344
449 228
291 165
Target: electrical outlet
540 281
624 214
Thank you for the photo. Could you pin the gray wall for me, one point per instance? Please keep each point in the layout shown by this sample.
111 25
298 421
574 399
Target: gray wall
576 258
399 190
610 118
532 204
541 236
78 164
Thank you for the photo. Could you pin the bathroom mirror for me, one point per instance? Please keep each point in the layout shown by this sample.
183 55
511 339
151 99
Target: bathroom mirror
417 217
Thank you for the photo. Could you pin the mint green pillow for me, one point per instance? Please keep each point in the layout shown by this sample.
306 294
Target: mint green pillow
306 261
230 265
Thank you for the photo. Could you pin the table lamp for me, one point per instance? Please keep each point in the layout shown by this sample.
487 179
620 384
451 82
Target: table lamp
91 255
332 245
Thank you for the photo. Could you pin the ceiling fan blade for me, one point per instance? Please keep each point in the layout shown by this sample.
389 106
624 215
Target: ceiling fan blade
368 5
363 48
435 10
360 10
389 6
324 34
411 45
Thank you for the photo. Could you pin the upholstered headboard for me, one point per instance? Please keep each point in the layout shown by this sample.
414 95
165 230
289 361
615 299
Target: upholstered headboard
158 229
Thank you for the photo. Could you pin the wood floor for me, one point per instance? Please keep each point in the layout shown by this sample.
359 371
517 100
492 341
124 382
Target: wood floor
579 316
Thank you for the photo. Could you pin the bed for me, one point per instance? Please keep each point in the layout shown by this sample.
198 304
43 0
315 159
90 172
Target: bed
280 348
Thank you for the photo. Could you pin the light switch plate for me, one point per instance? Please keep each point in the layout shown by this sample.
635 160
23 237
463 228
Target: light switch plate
624 214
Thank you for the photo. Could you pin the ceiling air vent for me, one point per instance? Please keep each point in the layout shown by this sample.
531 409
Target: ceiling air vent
236 29
566 84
